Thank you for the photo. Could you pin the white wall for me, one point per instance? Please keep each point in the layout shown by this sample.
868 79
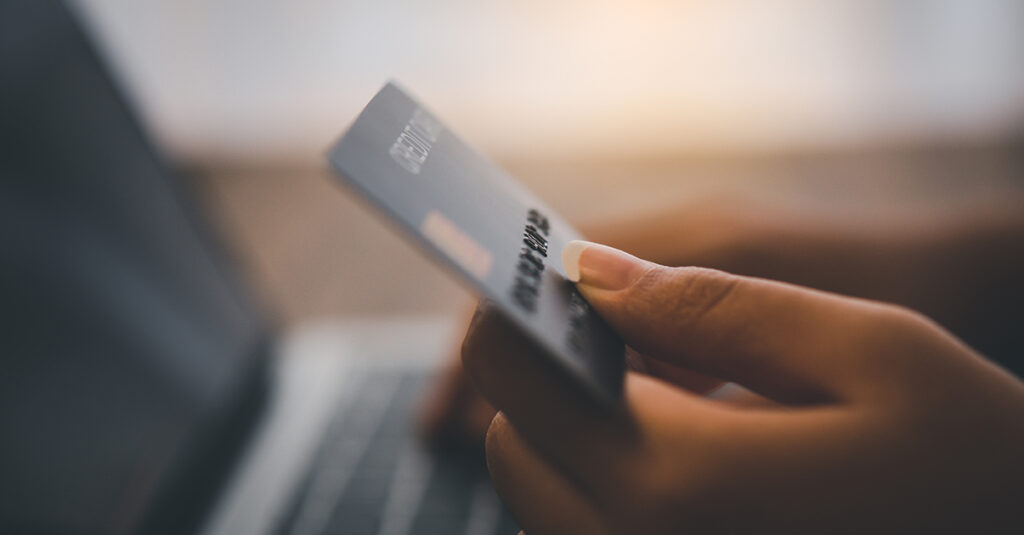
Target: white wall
262 79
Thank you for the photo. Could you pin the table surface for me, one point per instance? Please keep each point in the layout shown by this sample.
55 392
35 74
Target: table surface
311 250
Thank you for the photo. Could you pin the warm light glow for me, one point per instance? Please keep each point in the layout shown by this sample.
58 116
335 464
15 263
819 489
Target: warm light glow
536 79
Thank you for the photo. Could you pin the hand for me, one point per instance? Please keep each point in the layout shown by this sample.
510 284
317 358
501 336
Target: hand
961 269
885 422
453 416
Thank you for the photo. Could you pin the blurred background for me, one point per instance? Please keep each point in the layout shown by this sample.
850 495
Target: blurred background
878 142
605 109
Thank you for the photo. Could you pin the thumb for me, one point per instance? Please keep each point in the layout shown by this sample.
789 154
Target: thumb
788 343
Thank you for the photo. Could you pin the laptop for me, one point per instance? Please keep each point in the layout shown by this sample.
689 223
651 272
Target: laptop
142 390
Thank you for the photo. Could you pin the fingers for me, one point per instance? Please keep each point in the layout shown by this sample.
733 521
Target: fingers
597 448
561 421
786 342
453 414
540 498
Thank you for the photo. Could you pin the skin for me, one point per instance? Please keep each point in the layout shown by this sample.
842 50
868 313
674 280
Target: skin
884 422
960 269
864 415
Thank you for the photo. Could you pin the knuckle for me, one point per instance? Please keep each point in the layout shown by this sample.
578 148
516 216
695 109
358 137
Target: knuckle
896 314
899 346
686 294
655 488
661 491
652 506
895 328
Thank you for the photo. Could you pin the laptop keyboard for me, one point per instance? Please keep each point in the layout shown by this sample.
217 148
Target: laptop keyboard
371 477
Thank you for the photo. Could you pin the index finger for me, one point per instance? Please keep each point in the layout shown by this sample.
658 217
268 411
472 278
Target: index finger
595 446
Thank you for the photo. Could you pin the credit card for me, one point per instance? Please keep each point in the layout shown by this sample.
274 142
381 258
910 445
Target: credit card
474 218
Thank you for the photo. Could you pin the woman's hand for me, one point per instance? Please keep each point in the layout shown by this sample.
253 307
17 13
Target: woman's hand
961 269
882 420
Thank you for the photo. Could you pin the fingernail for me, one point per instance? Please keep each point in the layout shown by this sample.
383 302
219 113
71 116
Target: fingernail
600 266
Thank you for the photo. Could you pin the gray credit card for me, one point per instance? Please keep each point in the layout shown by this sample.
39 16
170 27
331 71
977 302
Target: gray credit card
490 230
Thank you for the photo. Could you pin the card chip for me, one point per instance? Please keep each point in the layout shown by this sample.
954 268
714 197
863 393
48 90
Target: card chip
457 244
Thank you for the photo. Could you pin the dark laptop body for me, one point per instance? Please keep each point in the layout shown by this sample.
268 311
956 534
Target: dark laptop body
133 363
141 390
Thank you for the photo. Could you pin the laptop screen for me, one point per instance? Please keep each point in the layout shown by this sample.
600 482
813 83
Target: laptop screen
129 349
